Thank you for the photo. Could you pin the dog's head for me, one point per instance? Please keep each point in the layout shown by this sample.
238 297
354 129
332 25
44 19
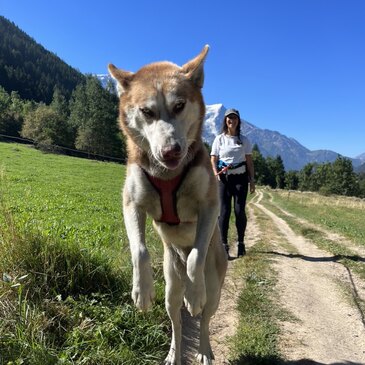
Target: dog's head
162 108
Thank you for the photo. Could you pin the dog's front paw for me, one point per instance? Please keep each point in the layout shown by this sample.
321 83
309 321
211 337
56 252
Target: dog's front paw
143 300
143 294
171 358
205 359
195 297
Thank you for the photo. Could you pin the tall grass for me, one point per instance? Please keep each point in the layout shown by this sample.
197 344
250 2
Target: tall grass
65 268
339 214
256 338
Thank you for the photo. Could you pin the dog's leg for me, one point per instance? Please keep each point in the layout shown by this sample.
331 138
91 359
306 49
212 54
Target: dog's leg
173 300
143 292
216 265
195 296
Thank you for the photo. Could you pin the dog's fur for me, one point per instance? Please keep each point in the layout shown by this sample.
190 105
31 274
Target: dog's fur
161 115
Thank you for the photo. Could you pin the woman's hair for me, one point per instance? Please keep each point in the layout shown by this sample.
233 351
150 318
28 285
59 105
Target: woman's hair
225 128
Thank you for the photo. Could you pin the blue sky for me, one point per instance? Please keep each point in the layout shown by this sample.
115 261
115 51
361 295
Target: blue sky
294 66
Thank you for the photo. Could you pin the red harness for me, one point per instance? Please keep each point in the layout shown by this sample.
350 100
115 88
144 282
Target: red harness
167 190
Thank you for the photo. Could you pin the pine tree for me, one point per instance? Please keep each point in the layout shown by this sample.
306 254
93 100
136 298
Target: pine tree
261 169
305 177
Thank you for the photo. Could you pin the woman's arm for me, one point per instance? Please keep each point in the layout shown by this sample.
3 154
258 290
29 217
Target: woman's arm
214 161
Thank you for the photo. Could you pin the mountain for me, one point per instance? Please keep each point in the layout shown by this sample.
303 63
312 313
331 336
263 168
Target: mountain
271 143
31 70
104 79
360 169
361 157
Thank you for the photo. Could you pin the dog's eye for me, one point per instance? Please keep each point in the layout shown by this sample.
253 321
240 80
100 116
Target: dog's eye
148 113
179 106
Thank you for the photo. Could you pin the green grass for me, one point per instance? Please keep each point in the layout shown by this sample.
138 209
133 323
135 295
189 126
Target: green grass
339 214
69 198
256 338
65 271
255 341
346 217
321 210
65 266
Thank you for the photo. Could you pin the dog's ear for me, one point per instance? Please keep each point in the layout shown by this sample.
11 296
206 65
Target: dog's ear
123 78
194 69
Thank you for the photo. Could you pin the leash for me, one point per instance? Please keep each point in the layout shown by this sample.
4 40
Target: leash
223 170
223 167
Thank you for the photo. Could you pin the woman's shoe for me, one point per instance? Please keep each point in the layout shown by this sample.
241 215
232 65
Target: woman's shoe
241 251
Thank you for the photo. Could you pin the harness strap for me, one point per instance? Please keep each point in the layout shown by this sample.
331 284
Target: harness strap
167 190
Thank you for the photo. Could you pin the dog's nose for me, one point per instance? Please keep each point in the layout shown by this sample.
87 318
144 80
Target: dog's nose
171 151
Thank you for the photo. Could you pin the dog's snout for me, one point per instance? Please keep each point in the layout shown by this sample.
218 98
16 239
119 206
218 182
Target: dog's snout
171 151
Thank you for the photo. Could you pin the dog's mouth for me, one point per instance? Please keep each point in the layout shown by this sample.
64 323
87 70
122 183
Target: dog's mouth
171 163
170 156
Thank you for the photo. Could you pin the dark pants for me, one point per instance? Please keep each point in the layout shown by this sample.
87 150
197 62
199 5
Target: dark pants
236 187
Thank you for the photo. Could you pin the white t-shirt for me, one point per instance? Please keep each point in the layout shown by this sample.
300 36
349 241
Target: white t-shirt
232 150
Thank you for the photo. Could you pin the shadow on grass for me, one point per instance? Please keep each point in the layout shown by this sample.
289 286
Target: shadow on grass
270 360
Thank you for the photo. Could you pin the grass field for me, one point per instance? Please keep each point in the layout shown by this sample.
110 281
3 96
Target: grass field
65 293
66 275
339 214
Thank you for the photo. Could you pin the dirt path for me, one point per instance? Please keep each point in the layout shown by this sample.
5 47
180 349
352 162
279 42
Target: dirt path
330 326
224 322
327 324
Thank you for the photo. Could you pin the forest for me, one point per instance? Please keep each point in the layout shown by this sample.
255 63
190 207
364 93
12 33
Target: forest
29 68
88 123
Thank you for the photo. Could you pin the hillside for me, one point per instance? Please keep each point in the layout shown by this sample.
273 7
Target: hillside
31 70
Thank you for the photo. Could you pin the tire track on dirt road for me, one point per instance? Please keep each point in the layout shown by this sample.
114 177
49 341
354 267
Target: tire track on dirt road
329 328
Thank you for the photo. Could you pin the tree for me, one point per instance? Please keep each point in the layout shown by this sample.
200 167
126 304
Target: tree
46 127
4 110
291 180
276 172
305 177
12 112
93 114
343 179
261 169
361 180
330 178
59 103
321 178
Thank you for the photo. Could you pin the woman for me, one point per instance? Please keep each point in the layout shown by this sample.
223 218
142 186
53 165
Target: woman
231 159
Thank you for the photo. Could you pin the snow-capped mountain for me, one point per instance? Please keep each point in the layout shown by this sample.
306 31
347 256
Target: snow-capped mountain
361 157
105 79
271 143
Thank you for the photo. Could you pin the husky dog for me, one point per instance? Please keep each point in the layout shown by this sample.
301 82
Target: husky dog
169 177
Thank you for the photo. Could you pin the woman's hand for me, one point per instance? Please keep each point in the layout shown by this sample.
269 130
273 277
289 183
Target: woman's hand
252 187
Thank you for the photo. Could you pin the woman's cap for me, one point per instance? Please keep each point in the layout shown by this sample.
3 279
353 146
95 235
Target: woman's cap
232 111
